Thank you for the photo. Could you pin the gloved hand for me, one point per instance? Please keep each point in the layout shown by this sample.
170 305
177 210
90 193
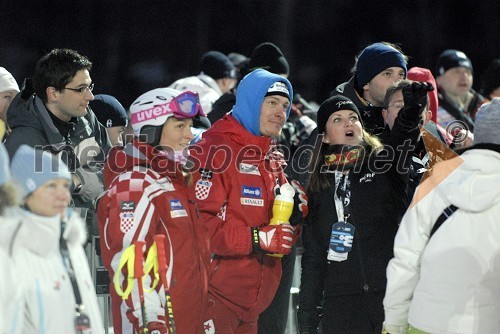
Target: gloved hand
300 209
415 98
155 328
91 184
275 239
415 95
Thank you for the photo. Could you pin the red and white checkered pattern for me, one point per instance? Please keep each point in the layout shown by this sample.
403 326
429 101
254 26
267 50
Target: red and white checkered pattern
202 189
127 220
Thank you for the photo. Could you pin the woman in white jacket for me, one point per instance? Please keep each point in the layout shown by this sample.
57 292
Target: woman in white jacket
9 305
44 241
450 283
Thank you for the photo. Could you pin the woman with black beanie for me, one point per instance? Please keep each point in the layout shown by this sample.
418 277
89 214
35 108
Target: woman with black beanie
356 201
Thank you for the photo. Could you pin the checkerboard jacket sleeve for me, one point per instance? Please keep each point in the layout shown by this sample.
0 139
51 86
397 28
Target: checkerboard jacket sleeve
129 212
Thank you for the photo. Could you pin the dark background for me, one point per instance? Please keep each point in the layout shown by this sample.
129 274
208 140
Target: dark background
140 45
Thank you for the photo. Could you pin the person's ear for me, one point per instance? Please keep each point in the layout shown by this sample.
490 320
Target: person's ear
52 94
385 113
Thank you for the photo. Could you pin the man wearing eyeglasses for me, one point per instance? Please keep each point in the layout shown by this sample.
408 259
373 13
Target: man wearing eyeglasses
52 113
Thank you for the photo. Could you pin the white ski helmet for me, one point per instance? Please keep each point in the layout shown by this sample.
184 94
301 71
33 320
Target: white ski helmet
151 110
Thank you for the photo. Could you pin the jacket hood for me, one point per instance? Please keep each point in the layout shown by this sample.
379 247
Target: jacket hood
473 186
250 94
373 121
22 113
424 74
347 89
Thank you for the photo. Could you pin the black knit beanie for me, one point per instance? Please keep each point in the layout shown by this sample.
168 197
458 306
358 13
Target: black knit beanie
217 65
332 105
269 57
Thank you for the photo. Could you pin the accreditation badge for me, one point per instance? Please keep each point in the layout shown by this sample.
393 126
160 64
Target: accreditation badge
341 240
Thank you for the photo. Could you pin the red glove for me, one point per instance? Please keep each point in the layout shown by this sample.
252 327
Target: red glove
300 210
155 328
277 239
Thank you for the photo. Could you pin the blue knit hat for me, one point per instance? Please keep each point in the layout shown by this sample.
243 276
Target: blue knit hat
109 111
31 168
374 59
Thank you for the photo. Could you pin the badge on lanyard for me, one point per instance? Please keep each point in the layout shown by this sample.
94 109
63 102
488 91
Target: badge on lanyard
340 241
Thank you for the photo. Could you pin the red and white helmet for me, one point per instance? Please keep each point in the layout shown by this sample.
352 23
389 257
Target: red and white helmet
152 109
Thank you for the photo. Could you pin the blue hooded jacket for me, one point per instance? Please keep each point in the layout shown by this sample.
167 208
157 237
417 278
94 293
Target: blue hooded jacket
249 96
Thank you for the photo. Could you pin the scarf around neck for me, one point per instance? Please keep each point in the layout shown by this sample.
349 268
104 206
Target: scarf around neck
343 157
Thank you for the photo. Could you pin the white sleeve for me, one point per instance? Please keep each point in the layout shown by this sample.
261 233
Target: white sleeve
403 271
11 299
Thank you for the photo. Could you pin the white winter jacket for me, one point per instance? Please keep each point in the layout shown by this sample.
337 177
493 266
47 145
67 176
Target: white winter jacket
46 298
10 306
206 87
450 283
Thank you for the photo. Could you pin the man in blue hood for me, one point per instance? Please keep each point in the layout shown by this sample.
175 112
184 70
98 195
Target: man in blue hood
240 172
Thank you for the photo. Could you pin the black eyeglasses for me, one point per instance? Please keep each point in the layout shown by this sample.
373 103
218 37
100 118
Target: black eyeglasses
82 90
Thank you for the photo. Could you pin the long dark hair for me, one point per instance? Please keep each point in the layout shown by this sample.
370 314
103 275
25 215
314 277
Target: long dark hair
319 180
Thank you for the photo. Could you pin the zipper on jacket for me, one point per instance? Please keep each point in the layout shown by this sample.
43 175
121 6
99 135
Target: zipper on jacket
366 287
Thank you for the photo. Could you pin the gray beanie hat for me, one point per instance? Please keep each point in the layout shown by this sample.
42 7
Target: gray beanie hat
4 165
487 124
31 168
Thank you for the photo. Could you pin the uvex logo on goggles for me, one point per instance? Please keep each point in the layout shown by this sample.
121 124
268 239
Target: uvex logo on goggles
185 105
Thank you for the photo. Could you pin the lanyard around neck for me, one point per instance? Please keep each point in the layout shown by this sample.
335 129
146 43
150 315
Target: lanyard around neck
70 269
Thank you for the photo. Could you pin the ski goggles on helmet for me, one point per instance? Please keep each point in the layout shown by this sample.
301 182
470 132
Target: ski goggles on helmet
184 105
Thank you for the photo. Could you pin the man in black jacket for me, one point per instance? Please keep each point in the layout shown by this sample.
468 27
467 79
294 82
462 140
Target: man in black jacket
377 67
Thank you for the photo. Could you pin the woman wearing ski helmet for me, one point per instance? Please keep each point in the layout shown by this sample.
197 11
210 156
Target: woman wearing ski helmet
147 196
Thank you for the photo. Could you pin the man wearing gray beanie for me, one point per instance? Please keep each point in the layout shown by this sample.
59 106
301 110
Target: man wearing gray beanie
377 67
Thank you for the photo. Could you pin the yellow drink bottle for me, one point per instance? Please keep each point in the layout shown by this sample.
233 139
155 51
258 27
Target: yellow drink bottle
282 208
